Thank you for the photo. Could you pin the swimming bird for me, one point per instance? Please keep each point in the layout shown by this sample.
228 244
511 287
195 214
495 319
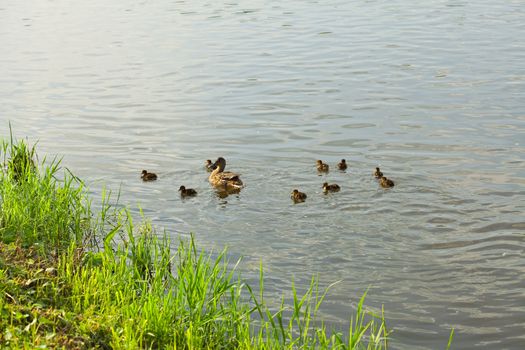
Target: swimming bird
331 188
224 179
386 183
378 174
342 165
187 192
209 165
322 167
145 176
298 197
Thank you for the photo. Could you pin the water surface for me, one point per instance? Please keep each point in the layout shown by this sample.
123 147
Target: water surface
432 92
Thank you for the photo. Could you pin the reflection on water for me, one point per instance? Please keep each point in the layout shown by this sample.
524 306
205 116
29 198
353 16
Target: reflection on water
224 193
431 93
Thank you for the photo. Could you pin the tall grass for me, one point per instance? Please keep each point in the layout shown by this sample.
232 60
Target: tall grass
118 284
36 207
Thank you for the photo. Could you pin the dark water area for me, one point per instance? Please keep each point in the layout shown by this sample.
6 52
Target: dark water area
431 92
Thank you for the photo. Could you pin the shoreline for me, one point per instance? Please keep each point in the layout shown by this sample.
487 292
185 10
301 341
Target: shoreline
67 283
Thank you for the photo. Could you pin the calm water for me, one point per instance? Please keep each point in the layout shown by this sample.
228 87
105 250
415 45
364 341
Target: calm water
431 91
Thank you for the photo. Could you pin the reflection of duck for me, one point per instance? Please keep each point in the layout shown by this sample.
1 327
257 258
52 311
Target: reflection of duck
222 193
209 165
145 176
322 167
298 197
330 188
224 179
378 174
386 182
187 192
342 165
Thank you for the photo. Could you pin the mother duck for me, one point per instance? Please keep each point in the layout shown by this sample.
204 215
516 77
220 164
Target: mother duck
224 179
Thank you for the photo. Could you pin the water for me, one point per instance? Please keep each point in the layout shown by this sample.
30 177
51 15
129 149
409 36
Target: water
433 92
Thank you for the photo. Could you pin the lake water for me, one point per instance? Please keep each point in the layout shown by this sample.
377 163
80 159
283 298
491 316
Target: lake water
433 92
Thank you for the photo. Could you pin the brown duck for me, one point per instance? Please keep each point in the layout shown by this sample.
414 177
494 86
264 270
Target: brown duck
386 183
208 165
342 165
224 179
187 192
322 167
331 188
298 197
378 174
145 176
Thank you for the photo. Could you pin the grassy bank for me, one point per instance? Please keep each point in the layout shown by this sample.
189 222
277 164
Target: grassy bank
74 278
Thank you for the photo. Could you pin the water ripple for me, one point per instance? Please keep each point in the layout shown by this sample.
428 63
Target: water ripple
436 101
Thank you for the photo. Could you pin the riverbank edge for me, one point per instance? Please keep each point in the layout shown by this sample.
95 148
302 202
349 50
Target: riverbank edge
72 278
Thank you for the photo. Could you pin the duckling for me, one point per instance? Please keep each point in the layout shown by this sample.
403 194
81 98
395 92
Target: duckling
378 174
224 179
322 167
330 188
386 183
187 192
342 165
298 197
145 176
208 165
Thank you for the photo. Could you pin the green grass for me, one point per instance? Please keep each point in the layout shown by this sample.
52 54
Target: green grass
70 278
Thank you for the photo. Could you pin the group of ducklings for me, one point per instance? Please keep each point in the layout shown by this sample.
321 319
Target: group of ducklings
229 182
299 197
184 192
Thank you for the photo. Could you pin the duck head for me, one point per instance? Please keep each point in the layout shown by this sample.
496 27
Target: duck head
219 163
